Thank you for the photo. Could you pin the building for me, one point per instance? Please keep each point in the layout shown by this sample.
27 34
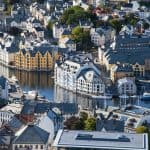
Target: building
2 6
40 58
96 3
9 111
119 71
79 74
5 142
68 139
131 116
67 43
5 116
100 36
126 86
4 88
8 48
109 123
32 137
58 30
127 49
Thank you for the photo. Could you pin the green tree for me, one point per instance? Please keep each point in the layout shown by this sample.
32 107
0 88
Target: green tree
116 24
131 19
73 14
74 123
90 124
142 129
83 116
49 27
82 37
77 34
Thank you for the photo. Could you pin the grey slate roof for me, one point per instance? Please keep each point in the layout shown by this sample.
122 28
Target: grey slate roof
122 68
32 135
111 125
14 124
5 140
28 108
129 49
2 82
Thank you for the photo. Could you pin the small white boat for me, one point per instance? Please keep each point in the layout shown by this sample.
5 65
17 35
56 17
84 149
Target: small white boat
32 93
146 96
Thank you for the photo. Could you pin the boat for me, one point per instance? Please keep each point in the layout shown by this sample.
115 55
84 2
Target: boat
146 96
33 94
102 96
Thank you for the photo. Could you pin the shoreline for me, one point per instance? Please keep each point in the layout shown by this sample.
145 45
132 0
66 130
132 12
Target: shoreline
23 69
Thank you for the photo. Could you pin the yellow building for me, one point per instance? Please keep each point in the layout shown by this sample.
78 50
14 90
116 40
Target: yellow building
119 71
41 58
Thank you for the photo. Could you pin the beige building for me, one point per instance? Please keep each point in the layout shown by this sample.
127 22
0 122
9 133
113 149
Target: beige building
41 58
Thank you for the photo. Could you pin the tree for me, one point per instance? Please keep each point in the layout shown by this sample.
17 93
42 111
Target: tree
83 116
77 34
82 37
49 27
90 124
116 24
142 129
146 25
131 19
15 31
74 123
73 14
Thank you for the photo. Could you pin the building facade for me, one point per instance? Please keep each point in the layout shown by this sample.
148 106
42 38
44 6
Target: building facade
70 140
126 86
127 49
41 58
79 76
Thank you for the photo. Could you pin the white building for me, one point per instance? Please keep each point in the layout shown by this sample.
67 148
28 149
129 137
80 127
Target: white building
97 3
79 74
93 140
66 42
58 30
126 86
8 112
5 116
31 137
99 36
128 29
8 49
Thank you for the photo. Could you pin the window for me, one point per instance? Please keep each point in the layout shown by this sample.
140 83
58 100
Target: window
41 146
97 88
36 146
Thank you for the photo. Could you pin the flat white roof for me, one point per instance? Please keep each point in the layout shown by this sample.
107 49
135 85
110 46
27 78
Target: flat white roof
101 140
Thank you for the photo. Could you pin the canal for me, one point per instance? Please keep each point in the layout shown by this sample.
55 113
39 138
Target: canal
43 82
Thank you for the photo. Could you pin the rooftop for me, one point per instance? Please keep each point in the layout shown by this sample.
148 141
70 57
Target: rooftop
32 135
101 140
15 108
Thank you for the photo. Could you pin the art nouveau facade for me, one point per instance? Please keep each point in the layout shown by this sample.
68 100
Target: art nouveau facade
79 77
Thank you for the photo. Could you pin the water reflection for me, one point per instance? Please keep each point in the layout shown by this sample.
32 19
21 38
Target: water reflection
88 103
40 81
84 102
44 83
